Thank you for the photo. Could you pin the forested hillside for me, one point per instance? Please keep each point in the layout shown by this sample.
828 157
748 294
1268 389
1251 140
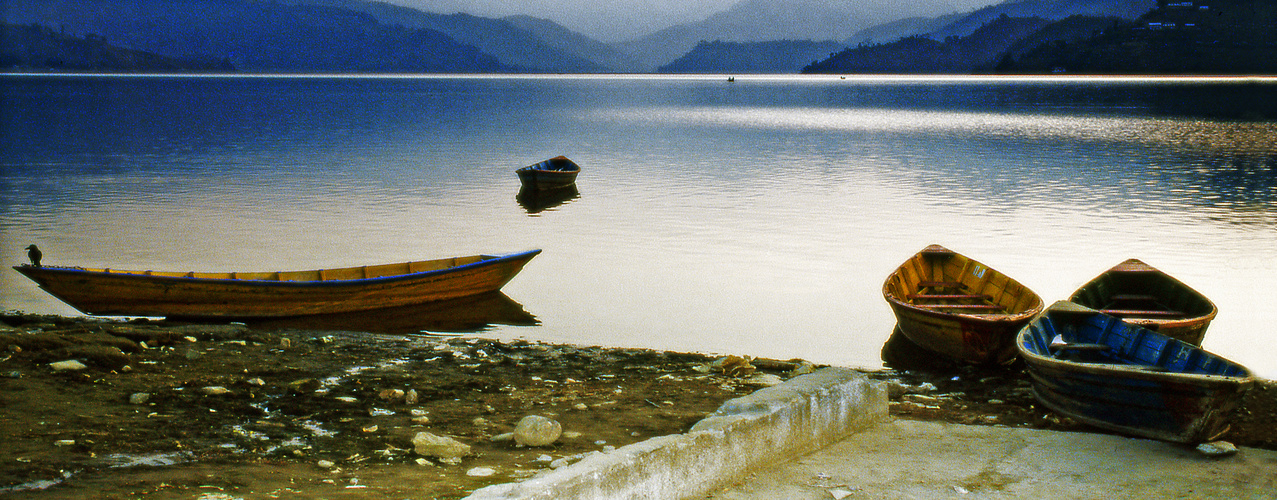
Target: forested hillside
1180 36
923 55
257 36
37 47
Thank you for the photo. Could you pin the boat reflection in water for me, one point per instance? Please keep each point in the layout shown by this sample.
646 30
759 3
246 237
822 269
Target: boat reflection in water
900 353
536 201
464 315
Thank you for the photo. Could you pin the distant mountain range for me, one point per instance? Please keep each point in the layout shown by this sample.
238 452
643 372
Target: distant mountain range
751 57
770 20
754 36
918 44
257 36
917 54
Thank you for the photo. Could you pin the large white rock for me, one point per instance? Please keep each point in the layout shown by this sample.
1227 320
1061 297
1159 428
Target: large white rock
430 445
535 430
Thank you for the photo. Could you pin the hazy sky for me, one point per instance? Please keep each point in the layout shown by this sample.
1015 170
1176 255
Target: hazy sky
605 20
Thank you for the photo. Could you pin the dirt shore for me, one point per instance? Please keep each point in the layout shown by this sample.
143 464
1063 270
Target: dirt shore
171 410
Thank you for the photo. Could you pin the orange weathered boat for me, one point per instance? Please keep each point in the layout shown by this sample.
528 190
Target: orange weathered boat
1140 294
111 292
950 304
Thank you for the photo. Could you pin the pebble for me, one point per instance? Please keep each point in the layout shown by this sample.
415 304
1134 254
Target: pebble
764 379
535 430
68 365
392 394
215 390
410 397
64 442
509 436
481 472
325 464
1217 449
139 398
305 385
443 447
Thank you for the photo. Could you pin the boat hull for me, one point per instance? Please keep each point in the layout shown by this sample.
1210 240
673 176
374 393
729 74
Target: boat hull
555 173
115 293
1143 295
1145 384
985 332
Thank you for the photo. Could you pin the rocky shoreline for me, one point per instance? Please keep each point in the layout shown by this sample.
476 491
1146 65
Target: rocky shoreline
98 409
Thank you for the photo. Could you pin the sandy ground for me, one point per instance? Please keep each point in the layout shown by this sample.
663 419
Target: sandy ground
170 410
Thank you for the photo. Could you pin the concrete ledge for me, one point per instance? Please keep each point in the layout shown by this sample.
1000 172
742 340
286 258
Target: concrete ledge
771 426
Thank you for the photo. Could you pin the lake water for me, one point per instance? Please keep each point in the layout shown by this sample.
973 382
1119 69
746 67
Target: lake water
758 217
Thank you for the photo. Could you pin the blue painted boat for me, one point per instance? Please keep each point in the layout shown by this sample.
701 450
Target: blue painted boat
1123 377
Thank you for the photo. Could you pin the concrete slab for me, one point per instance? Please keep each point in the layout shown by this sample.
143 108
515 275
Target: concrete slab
912 459
761 430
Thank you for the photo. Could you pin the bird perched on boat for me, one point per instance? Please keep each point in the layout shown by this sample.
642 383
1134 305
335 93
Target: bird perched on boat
34 254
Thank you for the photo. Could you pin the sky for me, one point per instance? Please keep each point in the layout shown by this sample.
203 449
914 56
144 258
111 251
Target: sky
609 21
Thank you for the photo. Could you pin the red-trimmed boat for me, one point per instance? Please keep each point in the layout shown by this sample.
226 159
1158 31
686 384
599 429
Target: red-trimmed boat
1140 294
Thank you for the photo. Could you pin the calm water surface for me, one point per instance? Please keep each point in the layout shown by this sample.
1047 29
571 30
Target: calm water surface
757 217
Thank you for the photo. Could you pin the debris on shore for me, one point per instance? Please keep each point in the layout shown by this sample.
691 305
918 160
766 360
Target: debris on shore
112 408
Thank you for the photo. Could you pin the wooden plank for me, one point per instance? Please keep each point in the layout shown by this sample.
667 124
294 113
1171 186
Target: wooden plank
1080 347
1135 312
948 296
1131 296
959 306
945 284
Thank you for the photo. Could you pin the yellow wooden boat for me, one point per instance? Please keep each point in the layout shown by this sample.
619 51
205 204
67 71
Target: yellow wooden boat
111 292
952 305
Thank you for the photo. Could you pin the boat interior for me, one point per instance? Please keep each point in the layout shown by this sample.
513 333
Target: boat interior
1085 336
940 279
337 274
1141 295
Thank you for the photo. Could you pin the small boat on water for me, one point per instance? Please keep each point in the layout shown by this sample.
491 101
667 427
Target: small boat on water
557 172
1140 294
1101 370
112 292
950 304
